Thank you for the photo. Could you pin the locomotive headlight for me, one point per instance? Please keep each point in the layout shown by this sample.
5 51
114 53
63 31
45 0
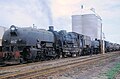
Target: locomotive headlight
12 28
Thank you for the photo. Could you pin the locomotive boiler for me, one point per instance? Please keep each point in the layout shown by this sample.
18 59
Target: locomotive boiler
22 44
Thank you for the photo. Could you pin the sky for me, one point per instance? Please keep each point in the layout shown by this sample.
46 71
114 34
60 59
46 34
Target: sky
44 13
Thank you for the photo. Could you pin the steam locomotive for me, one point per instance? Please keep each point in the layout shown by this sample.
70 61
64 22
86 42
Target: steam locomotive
20 45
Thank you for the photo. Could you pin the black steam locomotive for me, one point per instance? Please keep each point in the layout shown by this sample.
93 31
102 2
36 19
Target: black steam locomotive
21 45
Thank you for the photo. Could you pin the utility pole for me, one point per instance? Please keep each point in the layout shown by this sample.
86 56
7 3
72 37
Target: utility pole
101 41
101 33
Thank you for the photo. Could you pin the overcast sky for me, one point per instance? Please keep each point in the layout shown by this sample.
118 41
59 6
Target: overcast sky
43 13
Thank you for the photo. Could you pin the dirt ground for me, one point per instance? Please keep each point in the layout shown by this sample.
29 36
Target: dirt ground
101 70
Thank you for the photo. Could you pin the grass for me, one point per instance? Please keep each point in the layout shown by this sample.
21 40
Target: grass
113 72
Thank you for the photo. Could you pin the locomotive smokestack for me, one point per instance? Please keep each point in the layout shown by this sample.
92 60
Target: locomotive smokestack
51 28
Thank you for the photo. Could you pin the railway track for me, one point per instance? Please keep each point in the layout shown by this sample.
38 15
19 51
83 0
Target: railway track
49 71
26 67
44 62
55 67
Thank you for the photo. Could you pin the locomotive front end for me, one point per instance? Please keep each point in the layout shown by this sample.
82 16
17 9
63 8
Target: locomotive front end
12 45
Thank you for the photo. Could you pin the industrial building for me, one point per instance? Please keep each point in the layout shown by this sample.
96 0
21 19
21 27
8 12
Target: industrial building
2 30
87 24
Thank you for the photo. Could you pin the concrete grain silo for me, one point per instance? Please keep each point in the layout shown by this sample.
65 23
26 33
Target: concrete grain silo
86 24
89 22
77 24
